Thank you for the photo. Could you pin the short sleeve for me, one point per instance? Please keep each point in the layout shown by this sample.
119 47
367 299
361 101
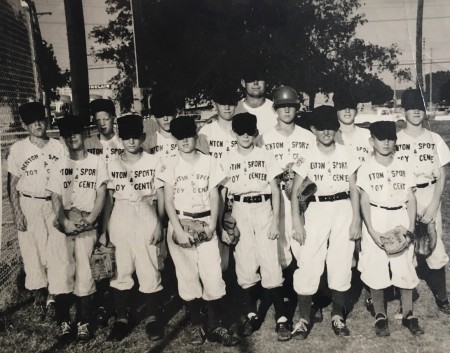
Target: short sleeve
54 183
301 167
443 152
354 164
217 174
158 182
166 173
102 174
13 160
362 181
273 168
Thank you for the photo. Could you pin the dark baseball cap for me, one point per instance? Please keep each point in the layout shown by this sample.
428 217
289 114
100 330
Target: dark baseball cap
325 118
102 105
257 71
31 112
225 95
412 99
130 126
70 124
244 123
384 130
343 99
183 127
162 104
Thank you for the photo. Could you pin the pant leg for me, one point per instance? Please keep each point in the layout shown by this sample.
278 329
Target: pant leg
84 245
285 239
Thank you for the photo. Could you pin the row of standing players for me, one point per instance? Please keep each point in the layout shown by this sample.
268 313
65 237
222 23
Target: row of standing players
278 247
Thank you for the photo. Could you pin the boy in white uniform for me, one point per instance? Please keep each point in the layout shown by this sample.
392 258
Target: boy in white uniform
333 170
387 200
427 154
78 181
135 228
252 182
29 164
191 191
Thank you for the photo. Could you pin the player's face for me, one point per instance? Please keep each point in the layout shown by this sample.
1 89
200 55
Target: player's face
255 89
286 114
346 116
105 123
225 111
325 137
414 116
245 140
75 141
383 147
132 144
37 128
186 145
164 122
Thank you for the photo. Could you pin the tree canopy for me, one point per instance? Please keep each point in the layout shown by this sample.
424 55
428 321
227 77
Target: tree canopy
189 45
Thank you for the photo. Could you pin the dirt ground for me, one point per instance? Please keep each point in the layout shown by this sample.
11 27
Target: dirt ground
25 335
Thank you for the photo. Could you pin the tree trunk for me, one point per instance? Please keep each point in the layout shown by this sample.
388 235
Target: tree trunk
419 45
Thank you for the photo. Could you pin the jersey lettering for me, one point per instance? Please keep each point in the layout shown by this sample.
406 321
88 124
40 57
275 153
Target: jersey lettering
29 160
88 171
119 175
275 145
66 171
317 165
403 147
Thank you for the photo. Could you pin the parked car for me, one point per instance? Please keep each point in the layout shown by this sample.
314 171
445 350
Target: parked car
377 114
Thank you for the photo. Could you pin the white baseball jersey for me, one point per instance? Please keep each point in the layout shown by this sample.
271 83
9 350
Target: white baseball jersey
220 141
331 172
250 174
286 149
136 181
78 181
266 116
107 149
165 147
386 185
357 142
425 154
32 165
192 183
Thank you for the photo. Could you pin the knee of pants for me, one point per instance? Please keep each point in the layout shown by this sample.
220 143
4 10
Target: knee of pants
122 280
339 280
304 283
190 290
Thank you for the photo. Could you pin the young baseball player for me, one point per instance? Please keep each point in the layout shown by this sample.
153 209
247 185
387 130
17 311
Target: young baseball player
29 163
287 142
77 183
426 153
387 201
191 192
138 198
325 240
251 182
254 84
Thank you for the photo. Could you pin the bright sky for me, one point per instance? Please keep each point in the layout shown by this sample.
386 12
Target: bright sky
389 21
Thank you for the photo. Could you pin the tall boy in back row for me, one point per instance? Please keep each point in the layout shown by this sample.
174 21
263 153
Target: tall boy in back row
427 154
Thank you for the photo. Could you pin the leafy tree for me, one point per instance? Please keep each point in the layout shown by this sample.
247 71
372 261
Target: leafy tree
374 90
439 79
445 92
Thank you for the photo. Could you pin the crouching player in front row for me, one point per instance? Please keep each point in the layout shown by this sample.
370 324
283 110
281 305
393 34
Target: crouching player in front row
387 200
191 192
135 228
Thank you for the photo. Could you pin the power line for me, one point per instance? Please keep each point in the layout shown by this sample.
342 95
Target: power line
408 19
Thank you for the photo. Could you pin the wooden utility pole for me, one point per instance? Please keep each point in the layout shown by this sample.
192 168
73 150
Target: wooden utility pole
419 67
78 58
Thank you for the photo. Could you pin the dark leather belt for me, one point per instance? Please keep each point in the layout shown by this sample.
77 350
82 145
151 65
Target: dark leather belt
252 199
330 198
46 198
387 208
424 185
194 215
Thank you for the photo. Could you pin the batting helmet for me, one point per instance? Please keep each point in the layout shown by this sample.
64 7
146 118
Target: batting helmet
286 95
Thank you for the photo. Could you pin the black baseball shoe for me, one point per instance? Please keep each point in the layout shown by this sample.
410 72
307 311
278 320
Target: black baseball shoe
83 332
249 325
198 335
154 329
221 335
102 317
316 314
301 330
67 333
369 306
381 326
119 331
412 324
443 305
340 328
283 331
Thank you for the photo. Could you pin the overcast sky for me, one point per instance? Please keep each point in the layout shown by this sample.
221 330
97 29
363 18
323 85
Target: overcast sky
389 21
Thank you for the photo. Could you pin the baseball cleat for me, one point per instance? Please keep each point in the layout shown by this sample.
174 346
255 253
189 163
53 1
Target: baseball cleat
412 324
316 315
66 334
83 333
300 331
198 335
102 317
283 332
340 328
381 326
119 331
154 329
221 335
249 325
443 306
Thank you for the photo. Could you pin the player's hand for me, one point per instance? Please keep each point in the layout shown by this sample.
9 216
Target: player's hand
299 234
430 213
209 233
157 235
225 237
355 229
274 231
183 239
72 228
376 236
21 222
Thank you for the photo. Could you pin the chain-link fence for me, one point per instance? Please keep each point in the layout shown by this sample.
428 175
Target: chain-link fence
19 83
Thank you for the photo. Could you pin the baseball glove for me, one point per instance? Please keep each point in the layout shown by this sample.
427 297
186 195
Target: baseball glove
76 215
426 236
307 189
103 261
196 229
229 225
396 240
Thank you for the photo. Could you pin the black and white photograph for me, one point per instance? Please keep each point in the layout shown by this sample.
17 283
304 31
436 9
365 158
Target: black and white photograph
225 176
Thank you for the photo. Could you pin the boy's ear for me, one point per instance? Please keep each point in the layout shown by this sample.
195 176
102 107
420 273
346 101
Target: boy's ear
371 141
256 133
243 83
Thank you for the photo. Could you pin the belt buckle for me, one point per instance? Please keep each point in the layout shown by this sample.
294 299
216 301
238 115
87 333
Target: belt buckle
257 198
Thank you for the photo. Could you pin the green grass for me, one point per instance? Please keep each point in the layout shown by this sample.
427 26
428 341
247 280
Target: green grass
23 335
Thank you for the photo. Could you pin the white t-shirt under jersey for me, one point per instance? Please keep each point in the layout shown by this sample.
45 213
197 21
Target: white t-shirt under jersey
265 114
